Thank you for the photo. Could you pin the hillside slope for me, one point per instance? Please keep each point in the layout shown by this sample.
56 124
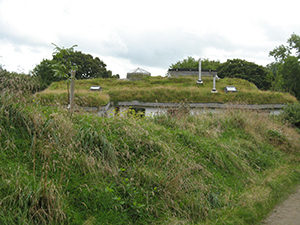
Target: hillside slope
226 168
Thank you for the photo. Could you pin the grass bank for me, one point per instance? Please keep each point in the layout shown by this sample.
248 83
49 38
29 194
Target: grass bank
226 168
160 89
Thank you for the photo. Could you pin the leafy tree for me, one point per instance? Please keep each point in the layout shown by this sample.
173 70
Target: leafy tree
191 63
63 63
188 63
44 71
86 66
294 43
274 77
290 70
287 62
280 53
246 70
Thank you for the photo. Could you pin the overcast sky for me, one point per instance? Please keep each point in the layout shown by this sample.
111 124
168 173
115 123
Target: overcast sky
151 34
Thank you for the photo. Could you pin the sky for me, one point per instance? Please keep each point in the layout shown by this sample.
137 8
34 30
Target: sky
151 34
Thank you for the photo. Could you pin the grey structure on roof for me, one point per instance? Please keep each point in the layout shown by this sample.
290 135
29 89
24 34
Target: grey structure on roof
138 74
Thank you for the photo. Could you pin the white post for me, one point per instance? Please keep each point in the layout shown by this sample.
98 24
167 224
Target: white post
214 90
199 81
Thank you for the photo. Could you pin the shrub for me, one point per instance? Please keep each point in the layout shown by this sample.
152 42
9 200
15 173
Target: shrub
291 113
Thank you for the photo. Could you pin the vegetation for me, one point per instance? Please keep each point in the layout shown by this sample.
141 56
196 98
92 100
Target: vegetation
62 168
11 81
232 68
228 168
192 63
160 89
292 114
243 69
86 66
285 71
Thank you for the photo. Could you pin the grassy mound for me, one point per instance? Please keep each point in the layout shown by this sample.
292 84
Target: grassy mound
226 168
159 89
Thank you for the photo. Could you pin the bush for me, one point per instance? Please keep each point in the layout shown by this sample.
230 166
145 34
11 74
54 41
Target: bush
238 68
291 113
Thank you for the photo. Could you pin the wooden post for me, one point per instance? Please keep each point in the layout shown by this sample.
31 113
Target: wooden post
72 88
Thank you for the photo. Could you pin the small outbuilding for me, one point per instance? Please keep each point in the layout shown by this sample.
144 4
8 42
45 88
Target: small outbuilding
138 74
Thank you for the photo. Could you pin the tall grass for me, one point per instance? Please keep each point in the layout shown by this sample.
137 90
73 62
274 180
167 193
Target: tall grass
159 89
58 168
82 98
62 169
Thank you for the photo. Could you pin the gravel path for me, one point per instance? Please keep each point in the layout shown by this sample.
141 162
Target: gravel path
287 213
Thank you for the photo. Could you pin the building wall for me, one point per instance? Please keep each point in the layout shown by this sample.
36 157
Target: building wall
153 111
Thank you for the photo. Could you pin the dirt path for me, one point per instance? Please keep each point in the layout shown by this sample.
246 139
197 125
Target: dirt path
287 213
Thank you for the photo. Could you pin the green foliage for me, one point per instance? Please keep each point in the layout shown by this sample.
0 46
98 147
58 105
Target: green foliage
287 75
191 63
64 59
87 66
57 169
294 43
280 52
63 63
44 71
290 71
239 68
275 77
283 51
291 113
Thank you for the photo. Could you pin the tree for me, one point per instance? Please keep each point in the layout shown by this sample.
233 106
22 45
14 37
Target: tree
44 71
191 63
87 66
287 62
250 71
290 71
274 77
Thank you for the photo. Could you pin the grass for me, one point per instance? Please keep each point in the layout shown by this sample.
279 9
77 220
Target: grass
160 89
226 168
61 168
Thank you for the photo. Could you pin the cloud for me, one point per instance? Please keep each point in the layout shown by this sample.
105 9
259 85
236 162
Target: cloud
17 39
150 34
154 48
